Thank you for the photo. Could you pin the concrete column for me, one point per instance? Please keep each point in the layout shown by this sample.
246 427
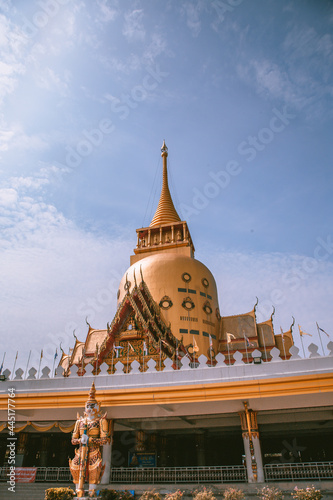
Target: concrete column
258 455
21 449
106 456
140 440
200 448
163 451
44 451
248 458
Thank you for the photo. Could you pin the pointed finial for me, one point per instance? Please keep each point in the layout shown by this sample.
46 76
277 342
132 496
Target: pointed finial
164 149
165 211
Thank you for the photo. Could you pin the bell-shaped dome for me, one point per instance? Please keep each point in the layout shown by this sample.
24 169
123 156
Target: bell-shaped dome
186 292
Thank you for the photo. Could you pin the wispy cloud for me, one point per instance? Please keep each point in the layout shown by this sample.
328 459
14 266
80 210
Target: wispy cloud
133 28
13 137
302 77
107 12
268 78
193 12
286 281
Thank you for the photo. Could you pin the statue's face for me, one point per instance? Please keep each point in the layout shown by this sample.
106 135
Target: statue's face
91 410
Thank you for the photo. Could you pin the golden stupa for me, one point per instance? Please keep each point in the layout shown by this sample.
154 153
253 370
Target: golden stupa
167 306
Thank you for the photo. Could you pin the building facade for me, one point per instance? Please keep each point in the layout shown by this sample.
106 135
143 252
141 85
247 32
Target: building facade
182 384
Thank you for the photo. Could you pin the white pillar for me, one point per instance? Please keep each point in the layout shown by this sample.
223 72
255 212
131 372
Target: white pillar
254 465
259 469
258 455
248 458
106 456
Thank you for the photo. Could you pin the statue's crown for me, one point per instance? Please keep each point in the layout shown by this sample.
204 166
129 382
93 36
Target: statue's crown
92 393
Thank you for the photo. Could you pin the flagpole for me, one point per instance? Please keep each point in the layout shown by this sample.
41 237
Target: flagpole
82 361
127 355
247 355
263 339
3 360
54 358
284 348
25 374
299 328
228 350
96 360
112 357
69 354
320 338
143 356
40 361
15 364
160 355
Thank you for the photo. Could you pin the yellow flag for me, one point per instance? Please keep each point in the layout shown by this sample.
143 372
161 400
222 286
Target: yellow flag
229 337
195 346
303 333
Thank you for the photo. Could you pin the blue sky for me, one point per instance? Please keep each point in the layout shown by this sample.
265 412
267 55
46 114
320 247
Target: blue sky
242 94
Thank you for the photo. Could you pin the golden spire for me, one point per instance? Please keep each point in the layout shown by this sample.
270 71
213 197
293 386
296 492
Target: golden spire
165 212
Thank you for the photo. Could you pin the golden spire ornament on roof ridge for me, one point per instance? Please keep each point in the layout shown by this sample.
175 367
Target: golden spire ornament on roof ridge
165 212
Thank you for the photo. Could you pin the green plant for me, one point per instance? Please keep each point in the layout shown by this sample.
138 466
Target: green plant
309 493
233 494
150 495
59 494
176 495
204 494
270 493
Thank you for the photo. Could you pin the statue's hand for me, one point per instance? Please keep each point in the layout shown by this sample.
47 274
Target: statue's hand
84 439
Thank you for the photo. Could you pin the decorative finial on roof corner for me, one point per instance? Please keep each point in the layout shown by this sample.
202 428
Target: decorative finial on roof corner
164 149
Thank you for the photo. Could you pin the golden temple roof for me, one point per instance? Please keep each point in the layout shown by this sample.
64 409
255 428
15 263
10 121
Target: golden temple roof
165 212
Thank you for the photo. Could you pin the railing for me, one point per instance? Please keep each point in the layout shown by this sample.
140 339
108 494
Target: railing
214 474
303 471
153 475
44 474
